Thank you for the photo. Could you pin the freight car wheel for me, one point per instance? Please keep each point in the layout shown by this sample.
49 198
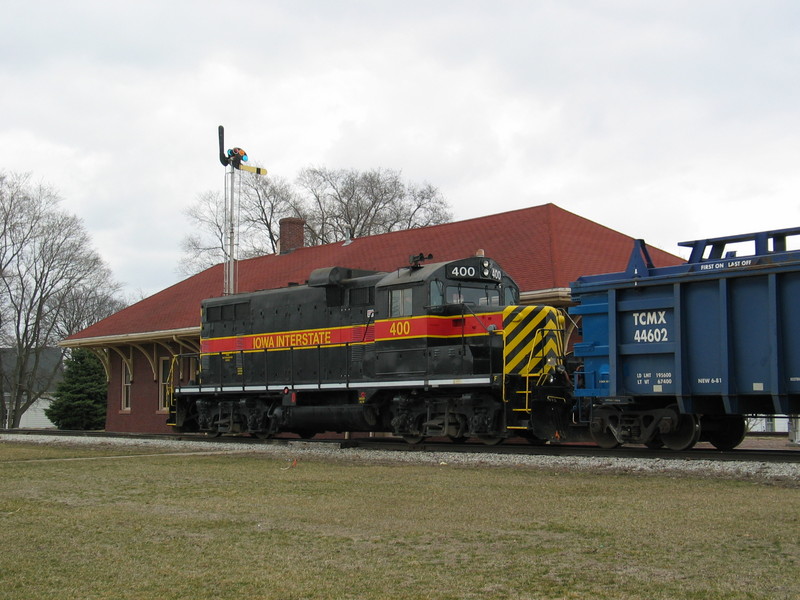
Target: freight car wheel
686 432
728 432
655 442
605 438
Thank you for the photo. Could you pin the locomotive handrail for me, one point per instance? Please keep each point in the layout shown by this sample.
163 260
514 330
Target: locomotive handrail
239 380
474 314
489 330
541 335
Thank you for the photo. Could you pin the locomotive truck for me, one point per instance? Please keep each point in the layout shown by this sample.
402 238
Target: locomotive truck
668 356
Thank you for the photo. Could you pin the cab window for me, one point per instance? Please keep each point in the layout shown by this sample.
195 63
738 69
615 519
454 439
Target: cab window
510 292
437 293
400 304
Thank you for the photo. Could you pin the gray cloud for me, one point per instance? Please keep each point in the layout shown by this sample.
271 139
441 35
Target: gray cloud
664 121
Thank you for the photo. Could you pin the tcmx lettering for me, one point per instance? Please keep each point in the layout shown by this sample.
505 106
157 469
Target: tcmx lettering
650 317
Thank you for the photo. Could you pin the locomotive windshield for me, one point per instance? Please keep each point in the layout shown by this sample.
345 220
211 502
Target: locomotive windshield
475 294
485 295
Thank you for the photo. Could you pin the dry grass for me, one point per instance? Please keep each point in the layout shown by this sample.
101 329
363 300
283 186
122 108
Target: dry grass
22 451
247 526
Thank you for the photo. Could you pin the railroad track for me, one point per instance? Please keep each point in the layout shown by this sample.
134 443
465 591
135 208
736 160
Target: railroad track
742 455
790 454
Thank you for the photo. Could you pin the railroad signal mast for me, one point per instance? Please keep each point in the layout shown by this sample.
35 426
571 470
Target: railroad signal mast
232 160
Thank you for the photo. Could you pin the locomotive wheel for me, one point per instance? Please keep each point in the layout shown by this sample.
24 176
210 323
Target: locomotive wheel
457 439
490 440
213 434
413 439
533 440
686 433
731 433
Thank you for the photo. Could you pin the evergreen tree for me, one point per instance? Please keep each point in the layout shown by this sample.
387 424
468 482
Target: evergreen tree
81 396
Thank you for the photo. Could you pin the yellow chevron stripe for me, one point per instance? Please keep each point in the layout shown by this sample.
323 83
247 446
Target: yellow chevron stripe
531 335
521 328
539 363
532 352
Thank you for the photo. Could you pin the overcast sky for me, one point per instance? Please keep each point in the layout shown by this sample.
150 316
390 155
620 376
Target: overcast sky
669 121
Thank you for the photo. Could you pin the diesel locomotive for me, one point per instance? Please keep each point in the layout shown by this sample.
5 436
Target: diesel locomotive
431 349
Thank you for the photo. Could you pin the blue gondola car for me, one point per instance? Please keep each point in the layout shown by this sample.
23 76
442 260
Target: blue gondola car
677 354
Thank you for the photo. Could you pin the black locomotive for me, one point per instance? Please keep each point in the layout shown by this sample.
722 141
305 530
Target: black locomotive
431 349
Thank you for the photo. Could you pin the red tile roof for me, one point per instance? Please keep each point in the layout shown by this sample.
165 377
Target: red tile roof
542 247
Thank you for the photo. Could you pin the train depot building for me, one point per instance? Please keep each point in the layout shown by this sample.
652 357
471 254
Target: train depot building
544 248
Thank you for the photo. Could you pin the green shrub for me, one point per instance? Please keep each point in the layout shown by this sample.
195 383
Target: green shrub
81 396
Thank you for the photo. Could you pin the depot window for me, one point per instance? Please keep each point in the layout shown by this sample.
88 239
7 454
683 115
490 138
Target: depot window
127 381
164 381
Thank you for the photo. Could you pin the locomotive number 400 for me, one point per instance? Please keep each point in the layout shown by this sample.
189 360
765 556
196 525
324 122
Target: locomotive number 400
400 328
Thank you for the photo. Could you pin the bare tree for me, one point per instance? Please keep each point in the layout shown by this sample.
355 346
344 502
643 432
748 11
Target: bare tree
335 204
264 202
327 194
343 204
205 246
95 299
53 284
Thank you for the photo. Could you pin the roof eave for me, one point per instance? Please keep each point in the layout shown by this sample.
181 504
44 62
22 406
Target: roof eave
555 296
127 338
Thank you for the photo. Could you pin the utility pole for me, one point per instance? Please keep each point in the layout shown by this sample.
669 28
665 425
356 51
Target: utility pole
232 161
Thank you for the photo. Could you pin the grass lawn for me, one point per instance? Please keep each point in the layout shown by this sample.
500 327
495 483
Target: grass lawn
249 526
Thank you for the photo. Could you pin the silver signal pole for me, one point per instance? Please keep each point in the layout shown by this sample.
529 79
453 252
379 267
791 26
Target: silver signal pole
231 226
232 161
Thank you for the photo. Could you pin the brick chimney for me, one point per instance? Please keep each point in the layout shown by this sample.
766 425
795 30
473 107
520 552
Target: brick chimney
292 234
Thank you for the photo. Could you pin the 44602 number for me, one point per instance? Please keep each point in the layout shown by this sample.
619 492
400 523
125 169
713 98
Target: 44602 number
658 334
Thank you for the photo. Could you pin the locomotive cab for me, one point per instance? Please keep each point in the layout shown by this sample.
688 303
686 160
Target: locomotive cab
442 319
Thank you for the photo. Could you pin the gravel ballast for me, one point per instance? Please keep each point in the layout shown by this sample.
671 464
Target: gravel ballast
785 473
